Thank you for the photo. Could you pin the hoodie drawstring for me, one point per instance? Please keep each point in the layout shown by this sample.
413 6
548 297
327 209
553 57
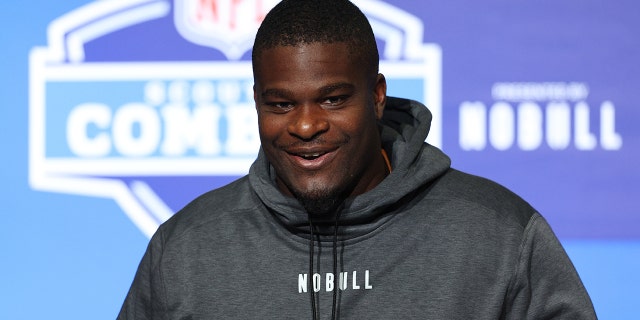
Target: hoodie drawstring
312 292
336 283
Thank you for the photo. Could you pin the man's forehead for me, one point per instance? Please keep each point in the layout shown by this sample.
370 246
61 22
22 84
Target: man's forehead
341 46
290 56
316 64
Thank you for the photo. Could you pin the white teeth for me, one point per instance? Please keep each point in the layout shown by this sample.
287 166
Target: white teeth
309 156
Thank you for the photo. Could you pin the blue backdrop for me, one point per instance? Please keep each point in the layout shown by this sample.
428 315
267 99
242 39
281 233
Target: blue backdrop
116 113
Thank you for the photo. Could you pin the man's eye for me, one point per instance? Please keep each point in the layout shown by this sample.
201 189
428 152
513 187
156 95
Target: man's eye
334 101
279 106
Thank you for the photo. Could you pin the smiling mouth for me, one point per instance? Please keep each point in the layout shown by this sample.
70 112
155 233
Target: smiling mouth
311 160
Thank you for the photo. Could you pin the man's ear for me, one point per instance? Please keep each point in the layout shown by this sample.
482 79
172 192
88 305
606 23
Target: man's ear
255 97
380 95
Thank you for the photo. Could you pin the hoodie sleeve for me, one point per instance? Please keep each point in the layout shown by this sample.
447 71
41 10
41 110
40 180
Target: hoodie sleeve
146 297
546 284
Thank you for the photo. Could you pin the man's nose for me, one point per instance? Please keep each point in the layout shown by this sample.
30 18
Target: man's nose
310 120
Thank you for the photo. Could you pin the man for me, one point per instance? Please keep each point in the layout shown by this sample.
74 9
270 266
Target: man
347 213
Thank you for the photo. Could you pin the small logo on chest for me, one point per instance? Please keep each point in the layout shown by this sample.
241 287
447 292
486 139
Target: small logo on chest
346 280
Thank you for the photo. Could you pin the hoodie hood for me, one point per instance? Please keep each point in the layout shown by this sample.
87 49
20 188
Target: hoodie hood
415 164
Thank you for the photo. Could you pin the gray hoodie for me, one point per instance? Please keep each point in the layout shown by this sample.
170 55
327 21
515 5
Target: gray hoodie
429 242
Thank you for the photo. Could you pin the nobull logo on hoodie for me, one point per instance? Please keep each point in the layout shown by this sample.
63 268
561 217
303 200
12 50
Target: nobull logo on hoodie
344 281
150 102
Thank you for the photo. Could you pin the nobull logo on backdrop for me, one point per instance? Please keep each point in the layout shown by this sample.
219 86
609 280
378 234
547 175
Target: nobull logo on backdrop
528 116
150 102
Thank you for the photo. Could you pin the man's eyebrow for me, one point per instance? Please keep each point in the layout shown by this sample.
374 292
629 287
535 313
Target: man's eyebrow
335 87
276 93
325 90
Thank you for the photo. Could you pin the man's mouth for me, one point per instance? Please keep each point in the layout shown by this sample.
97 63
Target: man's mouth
311 160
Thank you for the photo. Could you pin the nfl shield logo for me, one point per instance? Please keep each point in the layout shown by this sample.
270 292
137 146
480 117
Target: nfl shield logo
226 25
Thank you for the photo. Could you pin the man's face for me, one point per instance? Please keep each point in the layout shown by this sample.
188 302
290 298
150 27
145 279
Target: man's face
318 109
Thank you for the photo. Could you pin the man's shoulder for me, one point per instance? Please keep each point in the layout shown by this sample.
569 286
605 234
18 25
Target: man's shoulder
230 196
483 195
213 207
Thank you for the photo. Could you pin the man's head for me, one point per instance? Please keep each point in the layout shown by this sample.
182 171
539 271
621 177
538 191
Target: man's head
295 22
319 98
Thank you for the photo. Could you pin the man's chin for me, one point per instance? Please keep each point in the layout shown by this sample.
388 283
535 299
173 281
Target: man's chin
319 203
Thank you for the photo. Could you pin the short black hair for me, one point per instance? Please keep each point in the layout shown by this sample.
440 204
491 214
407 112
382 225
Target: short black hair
296 22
